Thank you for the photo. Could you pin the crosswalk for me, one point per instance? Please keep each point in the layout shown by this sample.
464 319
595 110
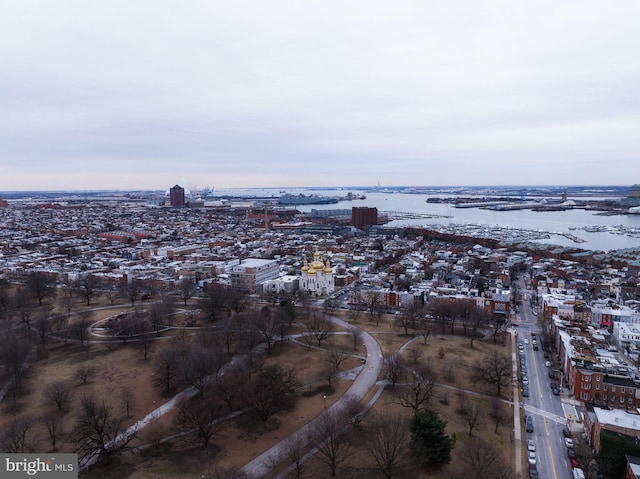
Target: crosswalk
552 417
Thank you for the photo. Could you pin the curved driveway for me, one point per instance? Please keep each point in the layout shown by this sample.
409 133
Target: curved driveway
365 380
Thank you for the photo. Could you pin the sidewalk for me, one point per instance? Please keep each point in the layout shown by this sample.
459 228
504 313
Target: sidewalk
517 431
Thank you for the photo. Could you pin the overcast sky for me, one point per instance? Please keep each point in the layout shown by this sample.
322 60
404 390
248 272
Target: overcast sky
145 94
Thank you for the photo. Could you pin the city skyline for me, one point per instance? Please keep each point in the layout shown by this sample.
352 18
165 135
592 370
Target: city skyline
247 95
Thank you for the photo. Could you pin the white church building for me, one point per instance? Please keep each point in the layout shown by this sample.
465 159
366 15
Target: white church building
317 277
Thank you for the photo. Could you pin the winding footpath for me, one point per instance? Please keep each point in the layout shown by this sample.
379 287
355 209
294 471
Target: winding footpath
365 380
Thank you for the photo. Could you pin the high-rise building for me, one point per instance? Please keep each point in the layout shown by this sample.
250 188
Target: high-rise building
362 217
176 196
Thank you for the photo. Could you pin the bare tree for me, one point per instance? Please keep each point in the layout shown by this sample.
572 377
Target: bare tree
494 369
473 416
52 423
59 393
84 372
319 328
355 411
272 390
407 320
356 336
497 413
97 431
198 418
127 401
14 352
186 288
79 327
425 327
268 327
483 460
388 441
199 365
166 367
86 285
334 360
420 388
17 435
293 451
42 326
394 367
333 447
414 353
41 285
228 388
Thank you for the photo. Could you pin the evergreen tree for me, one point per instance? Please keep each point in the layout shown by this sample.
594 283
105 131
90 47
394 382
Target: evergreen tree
429 443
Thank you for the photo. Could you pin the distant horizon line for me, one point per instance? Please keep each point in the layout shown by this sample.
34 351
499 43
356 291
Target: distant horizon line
370 187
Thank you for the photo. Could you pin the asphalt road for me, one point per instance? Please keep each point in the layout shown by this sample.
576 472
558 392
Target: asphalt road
546 409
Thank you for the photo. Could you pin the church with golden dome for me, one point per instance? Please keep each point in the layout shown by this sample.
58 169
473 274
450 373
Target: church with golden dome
317 277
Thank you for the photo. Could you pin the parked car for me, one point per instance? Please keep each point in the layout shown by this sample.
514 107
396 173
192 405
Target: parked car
571 453
574 463
566 432
529 424
555 391
525 392
533 471
531 446
532 457
568 442
547 364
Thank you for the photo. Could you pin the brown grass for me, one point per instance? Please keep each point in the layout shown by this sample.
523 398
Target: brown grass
236 443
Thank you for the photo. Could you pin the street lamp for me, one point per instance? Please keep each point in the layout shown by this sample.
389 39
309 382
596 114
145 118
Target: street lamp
325 401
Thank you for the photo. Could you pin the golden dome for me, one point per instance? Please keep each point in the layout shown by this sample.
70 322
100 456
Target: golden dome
317 263
328 268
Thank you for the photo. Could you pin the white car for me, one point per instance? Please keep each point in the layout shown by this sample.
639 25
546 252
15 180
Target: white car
547 364
526 341
525 380
568 442
531 446
532 457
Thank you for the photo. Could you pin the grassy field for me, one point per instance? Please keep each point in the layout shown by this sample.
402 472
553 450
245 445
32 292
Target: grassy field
121 367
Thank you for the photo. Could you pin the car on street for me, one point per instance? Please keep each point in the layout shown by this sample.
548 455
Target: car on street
533 471
531 446
525 380
547 363
526 341
532 457
566 432
571 453
568 442
555 391
525 392
529 424
574 463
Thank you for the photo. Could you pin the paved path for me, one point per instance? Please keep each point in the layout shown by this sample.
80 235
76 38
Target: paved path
365 380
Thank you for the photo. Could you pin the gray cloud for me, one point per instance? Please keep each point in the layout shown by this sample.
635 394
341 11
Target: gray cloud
141 94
